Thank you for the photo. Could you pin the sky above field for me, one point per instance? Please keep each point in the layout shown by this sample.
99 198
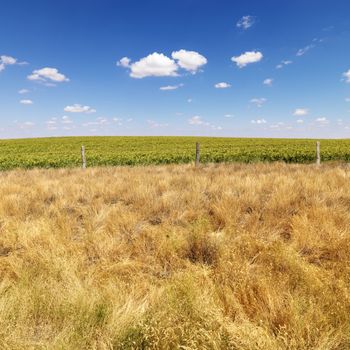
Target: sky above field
188 67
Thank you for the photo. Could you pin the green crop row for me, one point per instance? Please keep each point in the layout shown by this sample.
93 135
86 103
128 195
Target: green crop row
65 152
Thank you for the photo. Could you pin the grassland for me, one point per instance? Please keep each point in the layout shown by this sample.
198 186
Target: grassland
65 152
245 257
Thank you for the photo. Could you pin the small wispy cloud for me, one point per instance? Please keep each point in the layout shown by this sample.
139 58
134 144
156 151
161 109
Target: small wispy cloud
246 22
258 121
198 120
299 112
26 102
78 108
222 85
154 124
171 87
23 91
322 120
258 101
305 49
283 63
268 81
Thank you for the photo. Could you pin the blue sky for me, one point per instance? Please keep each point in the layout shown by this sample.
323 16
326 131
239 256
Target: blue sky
197 67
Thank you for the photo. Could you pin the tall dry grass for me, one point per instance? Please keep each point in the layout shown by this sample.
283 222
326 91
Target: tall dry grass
223 257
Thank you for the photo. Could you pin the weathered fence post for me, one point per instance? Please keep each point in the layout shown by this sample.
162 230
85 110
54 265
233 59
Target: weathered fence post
318 153
83 158
197 154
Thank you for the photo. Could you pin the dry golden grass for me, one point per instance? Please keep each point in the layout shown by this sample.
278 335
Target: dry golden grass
223 257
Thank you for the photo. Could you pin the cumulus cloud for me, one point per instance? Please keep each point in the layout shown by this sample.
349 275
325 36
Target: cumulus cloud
78 108
300 121
258 101
159 65
268 82
47 74
229 116
346 75
222 85
26 102
247 58
301 112
124 62
171 87
153 65
245 22
189 60
258 121
7 61
283 63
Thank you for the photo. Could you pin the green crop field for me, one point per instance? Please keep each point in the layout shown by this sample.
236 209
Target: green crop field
65 151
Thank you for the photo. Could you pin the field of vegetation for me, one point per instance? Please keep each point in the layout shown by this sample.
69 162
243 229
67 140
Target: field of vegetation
224 256
65 152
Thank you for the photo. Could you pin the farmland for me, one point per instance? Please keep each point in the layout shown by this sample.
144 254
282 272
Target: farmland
65 152
226 256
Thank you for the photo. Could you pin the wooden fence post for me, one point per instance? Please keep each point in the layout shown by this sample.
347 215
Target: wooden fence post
197 154
318 153
83 158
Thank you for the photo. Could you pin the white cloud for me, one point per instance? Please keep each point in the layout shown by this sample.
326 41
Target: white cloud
222 85
299 112
189 100
159 65
26 102
347 76
153 124
154 65
23 91
245 22
304 50
258 101
170 87
78 108
189 60
7 61
66 120
24 125
124 62
229 116
300 121
347 99
278 125
322 120
268 82
283 63
47 74
258 121
247 58
196 120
